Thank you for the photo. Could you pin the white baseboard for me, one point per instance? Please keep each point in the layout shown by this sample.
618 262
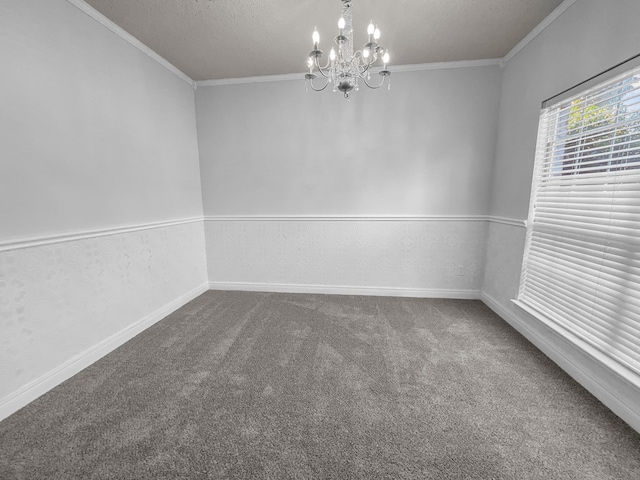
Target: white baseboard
27 394
347 290
618 394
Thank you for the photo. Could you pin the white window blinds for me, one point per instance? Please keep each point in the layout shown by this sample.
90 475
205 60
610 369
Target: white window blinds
581 265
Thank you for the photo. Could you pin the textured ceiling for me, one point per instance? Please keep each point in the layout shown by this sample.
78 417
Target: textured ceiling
213 39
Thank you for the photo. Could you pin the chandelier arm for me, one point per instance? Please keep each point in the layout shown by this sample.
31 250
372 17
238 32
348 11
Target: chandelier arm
317 89
323 70
323 73
364 68
365 65
374 87
325 67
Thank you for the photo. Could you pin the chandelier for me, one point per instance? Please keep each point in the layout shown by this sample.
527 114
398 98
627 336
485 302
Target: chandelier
345 68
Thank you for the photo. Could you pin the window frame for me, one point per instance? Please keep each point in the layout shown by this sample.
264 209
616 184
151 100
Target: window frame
628 370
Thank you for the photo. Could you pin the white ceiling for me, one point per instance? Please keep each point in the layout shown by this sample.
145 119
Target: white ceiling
214 39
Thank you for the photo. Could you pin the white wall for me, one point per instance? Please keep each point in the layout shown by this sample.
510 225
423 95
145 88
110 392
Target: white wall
307 160
93 132
99 188
591 36
422 148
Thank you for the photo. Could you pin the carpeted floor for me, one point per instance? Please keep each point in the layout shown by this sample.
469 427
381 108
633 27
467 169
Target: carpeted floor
275 386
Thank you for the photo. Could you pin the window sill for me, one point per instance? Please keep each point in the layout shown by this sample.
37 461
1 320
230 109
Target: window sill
622 371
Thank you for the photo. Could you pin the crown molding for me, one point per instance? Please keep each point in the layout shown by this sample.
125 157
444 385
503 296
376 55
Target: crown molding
419 67
398 68
105 22
259 79
552 17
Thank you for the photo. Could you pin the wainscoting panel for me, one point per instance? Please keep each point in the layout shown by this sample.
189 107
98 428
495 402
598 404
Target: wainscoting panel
66 301
418 256
505 247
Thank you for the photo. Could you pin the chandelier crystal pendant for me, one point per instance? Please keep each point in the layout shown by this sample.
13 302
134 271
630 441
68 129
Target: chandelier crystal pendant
345 68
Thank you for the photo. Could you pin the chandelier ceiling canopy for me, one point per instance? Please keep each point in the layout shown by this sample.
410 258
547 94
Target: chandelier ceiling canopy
345 68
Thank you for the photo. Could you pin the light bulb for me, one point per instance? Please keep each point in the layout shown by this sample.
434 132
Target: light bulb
376 34
341 23
365 53
385 58
332 54
371 28
316 37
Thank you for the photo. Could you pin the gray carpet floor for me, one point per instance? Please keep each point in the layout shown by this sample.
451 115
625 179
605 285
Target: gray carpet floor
275 386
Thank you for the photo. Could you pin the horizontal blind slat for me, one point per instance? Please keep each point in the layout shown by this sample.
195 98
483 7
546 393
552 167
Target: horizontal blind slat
588 317
590 283
613 258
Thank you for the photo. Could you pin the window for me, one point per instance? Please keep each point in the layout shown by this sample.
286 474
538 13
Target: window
581 268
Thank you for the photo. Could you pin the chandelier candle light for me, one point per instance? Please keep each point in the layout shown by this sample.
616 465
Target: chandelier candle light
345 67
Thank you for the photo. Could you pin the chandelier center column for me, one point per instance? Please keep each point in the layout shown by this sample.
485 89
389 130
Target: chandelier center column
348 30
